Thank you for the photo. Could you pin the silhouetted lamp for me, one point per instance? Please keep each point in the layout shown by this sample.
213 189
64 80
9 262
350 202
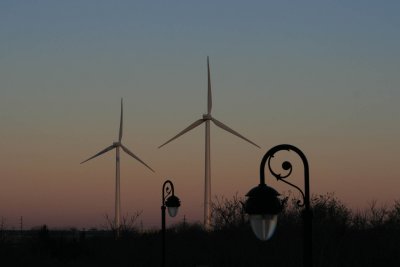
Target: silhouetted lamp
263 205
172 202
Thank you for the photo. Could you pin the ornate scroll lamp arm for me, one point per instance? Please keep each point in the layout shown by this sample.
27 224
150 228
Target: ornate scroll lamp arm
287 166
168 189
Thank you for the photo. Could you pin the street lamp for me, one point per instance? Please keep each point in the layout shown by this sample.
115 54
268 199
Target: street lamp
263 204
172 202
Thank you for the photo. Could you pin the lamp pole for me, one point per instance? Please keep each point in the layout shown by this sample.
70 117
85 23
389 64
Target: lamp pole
262 200
172 202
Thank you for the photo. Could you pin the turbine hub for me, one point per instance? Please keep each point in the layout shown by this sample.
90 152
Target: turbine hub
117 143
207 117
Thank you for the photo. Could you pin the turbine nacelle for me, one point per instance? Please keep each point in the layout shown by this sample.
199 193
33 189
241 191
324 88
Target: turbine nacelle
207 117
116 144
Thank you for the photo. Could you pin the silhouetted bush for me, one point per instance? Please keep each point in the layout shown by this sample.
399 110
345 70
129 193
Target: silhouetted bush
227 214
393 218
127 225
341 237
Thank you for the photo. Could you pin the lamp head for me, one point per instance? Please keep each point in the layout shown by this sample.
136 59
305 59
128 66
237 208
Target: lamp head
173 203
263 207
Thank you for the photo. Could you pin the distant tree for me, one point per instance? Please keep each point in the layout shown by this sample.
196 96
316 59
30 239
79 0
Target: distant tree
44 233
377 215
329 210
394 215
185 227
359 220
228 213
127 225
2 230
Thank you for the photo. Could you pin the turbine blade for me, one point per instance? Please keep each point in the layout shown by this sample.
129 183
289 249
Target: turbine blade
101 152
209 102
120 124
187 129
226 128
127 151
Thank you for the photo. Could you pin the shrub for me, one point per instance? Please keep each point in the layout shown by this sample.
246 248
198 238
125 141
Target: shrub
228 214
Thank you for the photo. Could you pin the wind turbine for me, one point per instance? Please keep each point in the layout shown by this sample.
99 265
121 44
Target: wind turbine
207 118
117 145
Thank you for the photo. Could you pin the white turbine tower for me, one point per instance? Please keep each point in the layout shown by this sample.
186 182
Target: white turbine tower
207 118
117 146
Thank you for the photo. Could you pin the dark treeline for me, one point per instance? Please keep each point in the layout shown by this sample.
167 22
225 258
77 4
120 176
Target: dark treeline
341 237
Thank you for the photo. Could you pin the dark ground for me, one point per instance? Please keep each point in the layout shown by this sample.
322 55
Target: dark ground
340 238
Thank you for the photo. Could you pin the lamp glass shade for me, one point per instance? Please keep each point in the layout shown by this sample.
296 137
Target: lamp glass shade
263 225
172 211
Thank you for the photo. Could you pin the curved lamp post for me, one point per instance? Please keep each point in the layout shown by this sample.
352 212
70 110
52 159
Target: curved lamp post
172 202
263 204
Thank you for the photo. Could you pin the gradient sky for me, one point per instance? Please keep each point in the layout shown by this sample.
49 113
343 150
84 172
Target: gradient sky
321 75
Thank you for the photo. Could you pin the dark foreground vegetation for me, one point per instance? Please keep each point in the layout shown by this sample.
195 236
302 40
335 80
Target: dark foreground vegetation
341 237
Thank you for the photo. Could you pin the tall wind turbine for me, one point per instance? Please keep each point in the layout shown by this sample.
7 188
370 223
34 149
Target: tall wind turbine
207 118
117 145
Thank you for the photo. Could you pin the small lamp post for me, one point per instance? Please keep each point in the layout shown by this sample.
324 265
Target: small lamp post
263 204
172 202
